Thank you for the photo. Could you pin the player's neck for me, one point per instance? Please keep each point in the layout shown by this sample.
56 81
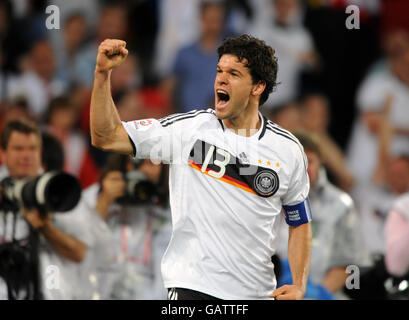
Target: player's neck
245 125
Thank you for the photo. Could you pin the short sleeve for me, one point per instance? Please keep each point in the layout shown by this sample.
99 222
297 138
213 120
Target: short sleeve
151 139
296 204
164 139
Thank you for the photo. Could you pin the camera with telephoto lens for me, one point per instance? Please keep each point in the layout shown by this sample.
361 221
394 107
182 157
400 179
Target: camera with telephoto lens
53 191
139 190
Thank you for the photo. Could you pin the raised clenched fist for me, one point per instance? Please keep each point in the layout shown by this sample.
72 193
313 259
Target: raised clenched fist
111 53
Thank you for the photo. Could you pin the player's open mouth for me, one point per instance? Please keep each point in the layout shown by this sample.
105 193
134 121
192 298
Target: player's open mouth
222 99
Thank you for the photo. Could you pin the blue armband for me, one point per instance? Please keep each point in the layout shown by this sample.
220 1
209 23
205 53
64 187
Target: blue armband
298 214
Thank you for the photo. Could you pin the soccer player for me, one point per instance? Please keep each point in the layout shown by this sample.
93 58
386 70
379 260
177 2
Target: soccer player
231 173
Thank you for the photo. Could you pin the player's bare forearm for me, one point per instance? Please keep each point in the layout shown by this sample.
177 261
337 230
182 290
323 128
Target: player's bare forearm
299 253
107 132
299 257
105 123
103 118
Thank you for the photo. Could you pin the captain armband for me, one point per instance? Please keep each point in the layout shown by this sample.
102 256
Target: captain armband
298 214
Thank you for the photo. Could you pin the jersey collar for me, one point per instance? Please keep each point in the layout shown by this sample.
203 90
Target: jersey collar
260 132
263 124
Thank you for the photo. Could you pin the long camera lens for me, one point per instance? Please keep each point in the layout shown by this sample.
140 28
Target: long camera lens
53 191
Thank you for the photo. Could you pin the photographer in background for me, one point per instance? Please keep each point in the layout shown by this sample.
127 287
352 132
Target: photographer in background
59 240
132 198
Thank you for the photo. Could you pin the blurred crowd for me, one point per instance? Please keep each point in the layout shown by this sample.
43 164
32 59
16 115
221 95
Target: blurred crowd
345 90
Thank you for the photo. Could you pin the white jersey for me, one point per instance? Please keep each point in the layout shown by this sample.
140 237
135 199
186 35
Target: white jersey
226 192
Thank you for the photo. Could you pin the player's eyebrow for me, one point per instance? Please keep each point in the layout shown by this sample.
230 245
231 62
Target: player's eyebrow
230 70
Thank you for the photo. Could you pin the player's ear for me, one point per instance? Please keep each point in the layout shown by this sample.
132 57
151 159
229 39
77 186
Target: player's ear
258 88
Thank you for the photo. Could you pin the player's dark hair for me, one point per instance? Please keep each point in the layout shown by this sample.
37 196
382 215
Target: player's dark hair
21 125
308 142
260 60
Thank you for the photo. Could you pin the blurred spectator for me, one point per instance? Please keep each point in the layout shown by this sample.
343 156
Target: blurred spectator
62 117
140 228
38 83
144 103
315 119
175 33
194 69
126 77
389 81
390 179
377 199
13 110
383 99
345 55
315 115
10 111
26 26
287 116
51 161
71 40
293 45
52 153
129 106
88 9
112 24
336 240
397 237
242 13
62 238
73 278
78 280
